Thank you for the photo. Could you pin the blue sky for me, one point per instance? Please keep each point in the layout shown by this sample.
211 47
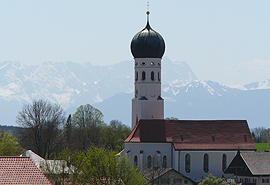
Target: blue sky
226 41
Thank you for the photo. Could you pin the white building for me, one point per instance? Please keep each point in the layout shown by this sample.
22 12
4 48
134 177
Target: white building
193 148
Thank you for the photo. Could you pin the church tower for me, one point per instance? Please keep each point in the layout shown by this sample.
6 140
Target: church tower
147 48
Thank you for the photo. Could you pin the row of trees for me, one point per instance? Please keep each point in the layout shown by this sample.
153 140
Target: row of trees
94 166
261 135
47 131
85 145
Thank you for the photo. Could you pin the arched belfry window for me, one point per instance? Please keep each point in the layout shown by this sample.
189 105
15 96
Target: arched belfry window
164 161
135 160
136 76
205 163
152 76
158 77
224 162
143 75
187 163
149 161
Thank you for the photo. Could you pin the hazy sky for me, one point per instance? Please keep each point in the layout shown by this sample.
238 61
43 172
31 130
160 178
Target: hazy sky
227 41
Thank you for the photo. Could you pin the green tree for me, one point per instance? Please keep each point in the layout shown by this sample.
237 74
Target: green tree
212 180
88 127
42 122
114 135
265 135
101 166
9 145
261 135
97 166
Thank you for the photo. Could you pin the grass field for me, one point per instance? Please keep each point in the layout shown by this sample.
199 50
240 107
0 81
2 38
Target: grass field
262 146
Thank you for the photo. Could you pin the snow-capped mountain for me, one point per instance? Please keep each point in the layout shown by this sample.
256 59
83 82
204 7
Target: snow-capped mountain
110 89
258 85
72 84
199 100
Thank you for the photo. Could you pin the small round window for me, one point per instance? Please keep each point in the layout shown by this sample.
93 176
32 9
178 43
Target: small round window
143 63
152 63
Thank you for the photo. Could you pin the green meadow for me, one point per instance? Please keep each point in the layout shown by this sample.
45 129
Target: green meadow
262 146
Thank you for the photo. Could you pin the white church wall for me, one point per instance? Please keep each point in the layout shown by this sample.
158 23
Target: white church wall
175 159
196 163
149 149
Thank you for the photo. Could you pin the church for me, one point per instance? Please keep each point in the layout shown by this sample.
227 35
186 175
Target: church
194 148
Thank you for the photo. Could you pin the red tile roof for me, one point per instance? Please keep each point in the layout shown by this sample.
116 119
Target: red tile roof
195 134
20 170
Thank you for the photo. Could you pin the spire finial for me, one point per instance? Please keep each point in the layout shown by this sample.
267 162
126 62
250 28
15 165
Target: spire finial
147 13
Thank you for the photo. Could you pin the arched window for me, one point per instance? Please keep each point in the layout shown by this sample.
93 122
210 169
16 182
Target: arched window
135 160
158 77
136 76
152 76
149 161
224 162
205 163
164 162
187 163
143 75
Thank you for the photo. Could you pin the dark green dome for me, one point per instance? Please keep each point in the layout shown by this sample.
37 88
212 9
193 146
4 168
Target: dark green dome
147 44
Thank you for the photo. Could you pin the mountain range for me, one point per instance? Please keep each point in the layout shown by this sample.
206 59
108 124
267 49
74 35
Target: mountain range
110 89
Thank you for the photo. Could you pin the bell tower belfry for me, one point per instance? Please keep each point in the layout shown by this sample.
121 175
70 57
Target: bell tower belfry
147 48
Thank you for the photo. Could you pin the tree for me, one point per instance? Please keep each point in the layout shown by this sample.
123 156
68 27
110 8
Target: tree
67 132
261 135
114 135
171 118
42 122
212 180
88 127
154 167
9 145
100 166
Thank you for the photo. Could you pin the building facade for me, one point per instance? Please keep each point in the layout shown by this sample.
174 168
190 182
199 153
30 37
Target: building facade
195 148
251 168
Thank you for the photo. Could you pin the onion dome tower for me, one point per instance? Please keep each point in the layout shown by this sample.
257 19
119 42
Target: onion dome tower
147 48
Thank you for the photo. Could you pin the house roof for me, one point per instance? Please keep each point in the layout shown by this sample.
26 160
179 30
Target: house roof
157 174
195 134
20 170
257 162
151 175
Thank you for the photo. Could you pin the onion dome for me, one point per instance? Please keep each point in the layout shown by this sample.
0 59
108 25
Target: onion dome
147 43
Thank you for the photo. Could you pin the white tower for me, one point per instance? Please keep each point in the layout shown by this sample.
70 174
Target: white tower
147 48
